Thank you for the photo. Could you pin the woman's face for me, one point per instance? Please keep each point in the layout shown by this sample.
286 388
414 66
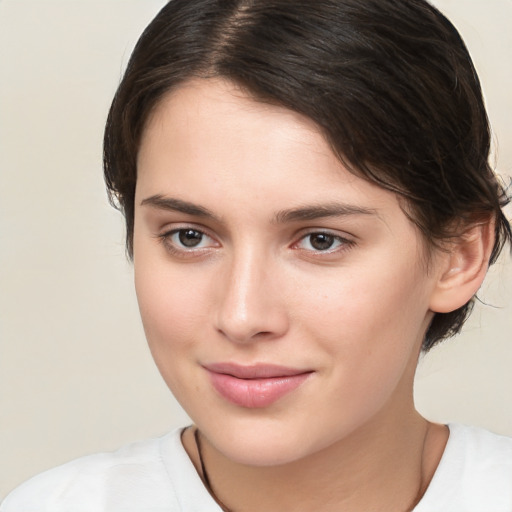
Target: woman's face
283 298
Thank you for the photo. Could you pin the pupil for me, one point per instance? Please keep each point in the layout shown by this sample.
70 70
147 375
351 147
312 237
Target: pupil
321 241
190 237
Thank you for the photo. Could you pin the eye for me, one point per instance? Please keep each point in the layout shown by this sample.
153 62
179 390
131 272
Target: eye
187 239
323 242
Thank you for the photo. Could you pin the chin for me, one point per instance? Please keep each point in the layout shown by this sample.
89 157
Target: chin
261 453
264 442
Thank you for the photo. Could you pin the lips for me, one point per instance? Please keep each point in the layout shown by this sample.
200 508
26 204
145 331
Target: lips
255 386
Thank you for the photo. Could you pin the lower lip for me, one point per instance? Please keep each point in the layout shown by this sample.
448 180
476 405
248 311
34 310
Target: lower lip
255 393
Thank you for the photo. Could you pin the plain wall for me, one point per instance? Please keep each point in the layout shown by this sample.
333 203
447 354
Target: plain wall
75 374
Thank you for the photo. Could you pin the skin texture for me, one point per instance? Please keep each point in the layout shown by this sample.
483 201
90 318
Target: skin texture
256 289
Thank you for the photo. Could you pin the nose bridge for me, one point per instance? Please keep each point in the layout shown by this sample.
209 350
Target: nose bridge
249 305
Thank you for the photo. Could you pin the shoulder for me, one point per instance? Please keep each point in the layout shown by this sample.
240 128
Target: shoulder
475 473
132 476
481 452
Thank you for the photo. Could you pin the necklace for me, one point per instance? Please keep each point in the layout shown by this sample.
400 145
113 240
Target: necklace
206 479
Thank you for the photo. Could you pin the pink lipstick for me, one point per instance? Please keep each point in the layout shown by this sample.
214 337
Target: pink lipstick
255 386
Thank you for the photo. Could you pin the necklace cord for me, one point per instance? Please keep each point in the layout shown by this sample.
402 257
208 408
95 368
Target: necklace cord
206 478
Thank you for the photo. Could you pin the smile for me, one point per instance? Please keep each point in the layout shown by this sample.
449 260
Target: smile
255 386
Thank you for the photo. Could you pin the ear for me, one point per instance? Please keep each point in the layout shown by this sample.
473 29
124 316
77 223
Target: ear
463 267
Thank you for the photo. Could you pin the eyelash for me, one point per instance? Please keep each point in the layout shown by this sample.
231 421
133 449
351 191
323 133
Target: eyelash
167 241
343 244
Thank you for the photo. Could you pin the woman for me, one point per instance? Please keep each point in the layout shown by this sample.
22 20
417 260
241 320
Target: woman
308 204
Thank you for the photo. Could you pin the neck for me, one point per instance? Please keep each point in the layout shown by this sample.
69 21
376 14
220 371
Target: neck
383 466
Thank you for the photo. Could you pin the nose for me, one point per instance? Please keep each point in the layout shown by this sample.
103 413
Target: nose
252 305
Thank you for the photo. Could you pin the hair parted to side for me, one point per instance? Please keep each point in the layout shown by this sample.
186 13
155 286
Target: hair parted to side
390 83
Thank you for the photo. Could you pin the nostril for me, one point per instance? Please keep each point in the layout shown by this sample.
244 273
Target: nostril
263 334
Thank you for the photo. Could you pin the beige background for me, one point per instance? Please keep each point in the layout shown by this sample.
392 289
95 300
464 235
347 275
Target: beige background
75 374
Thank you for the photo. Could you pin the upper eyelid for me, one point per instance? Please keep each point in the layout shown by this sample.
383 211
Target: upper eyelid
299 235
167 229
327 231
163 220
173 231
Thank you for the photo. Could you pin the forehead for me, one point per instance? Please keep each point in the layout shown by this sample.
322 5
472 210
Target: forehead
210 143
210 129
204 117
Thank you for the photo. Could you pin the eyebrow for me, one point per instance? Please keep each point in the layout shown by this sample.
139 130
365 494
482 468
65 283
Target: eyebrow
178 205
303 213
322 211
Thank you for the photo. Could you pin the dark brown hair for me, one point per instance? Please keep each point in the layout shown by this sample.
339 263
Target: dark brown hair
390 83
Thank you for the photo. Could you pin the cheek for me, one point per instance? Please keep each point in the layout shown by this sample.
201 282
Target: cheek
174 323
370 334
371 321
172 305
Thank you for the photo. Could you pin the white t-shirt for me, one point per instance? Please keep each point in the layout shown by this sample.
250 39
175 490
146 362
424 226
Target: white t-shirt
474 475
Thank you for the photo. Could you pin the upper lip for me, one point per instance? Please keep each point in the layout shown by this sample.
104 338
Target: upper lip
254 371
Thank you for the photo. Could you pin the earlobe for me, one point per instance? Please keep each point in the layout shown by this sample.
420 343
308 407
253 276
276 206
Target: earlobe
463 268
